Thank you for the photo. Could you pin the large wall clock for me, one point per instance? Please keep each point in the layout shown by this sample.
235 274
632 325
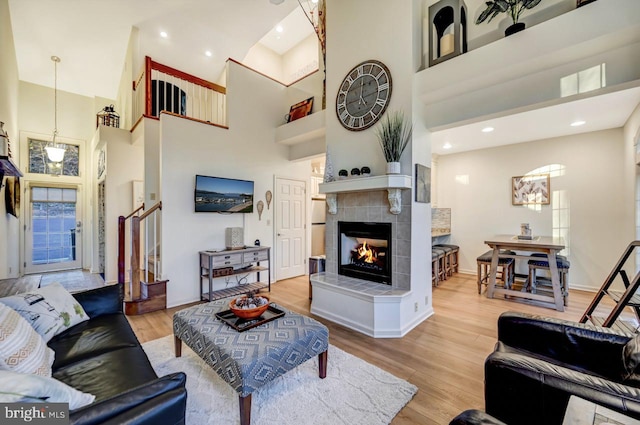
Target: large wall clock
363 95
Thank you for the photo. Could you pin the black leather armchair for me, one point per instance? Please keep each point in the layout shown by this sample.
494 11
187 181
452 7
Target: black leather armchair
538 363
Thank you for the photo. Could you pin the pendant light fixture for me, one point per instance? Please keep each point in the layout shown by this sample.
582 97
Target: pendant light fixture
55 151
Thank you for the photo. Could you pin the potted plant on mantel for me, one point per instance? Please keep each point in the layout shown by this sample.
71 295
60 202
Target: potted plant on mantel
394 134
513 8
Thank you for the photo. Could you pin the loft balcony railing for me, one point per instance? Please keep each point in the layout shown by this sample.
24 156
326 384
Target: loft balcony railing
160 88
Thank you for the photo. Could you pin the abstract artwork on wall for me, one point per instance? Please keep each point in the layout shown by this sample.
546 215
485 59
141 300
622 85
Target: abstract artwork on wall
531 189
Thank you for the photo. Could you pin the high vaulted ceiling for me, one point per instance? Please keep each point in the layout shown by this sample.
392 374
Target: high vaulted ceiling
91 37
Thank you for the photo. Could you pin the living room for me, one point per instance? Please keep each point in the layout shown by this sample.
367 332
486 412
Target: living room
247 151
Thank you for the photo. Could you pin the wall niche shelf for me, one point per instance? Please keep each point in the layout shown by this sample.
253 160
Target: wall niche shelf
302 130
393 183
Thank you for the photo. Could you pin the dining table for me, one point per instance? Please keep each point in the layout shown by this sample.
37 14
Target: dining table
549 245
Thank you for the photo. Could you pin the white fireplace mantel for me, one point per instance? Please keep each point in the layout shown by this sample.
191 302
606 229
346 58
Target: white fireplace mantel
393 183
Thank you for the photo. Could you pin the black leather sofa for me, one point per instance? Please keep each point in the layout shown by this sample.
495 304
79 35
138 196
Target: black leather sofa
538 363
102 356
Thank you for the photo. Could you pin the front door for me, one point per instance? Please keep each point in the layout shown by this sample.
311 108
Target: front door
290 228
52 230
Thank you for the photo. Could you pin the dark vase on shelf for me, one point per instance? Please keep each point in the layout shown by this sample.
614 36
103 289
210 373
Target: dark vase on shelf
517 27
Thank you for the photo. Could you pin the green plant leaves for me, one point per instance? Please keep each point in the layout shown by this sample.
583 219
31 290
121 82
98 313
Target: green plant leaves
513 7
394 134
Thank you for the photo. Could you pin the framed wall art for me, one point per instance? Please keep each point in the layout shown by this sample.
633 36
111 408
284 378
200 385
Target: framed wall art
300 109
531 189
423 184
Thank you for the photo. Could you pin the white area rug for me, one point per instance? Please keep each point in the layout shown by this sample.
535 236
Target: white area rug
354 391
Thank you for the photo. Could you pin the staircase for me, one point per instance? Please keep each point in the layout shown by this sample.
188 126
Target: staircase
146 290
622 298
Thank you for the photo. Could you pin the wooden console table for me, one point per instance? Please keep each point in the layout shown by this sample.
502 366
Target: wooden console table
545 244
243 261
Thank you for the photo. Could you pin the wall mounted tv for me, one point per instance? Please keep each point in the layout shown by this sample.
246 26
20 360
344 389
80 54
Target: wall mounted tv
217 194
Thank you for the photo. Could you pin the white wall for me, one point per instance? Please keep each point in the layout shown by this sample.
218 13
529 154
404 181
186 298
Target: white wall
396 47
9 87
124 164
301 59
245 151
476 186
632 156
265 60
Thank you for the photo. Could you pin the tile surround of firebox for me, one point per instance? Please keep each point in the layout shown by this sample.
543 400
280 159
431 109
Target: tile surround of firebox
375 309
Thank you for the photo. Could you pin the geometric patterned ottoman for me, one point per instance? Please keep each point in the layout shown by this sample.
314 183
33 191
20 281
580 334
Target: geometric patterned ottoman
250 359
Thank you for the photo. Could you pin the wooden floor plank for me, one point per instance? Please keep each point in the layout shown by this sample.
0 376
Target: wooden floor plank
443 356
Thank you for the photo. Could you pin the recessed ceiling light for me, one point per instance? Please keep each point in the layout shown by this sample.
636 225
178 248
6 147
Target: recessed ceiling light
208 53
487 129
279 28
447 146
163 34
578 123
276 2
314 1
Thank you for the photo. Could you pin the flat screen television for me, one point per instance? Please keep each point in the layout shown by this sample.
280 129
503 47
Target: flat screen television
218 194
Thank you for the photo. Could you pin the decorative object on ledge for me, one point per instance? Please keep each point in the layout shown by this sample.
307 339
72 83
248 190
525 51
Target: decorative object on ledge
268 196
355 172
394 134
300 110
329 174
108 116
531 189
365 171
343 174
513 8
423 184
447 30
260 208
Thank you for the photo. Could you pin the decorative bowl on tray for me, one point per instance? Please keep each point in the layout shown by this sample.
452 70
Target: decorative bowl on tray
249 306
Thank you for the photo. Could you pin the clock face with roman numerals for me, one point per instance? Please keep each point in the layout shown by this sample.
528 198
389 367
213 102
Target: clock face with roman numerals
363 95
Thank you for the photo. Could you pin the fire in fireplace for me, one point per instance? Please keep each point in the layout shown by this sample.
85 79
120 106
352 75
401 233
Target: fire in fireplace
365 251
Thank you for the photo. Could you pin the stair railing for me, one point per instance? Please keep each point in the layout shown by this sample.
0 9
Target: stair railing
151 243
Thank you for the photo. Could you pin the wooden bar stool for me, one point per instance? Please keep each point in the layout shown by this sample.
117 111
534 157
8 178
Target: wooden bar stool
541 262
505 272
441 269
434 268
447 259
452 256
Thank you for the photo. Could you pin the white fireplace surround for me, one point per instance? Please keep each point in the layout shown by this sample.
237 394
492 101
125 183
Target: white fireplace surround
393 183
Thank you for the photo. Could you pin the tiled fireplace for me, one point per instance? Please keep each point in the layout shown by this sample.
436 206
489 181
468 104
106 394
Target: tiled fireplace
365 250
374 296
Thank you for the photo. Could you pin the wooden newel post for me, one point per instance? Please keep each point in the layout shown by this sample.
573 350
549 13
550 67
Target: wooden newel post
121 237
135 258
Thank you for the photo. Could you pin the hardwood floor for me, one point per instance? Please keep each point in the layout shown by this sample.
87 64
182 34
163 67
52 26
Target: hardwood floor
443 356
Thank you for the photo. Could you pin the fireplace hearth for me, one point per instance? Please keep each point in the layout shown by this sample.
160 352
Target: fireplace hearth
364 251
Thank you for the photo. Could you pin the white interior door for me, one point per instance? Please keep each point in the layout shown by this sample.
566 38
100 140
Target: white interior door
52 231
290 228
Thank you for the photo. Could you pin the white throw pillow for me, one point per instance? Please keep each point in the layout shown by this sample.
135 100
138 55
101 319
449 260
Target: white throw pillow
19 387
50 310
21 348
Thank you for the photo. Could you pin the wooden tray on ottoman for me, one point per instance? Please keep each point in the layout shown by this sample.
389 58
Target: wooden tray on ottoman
242 325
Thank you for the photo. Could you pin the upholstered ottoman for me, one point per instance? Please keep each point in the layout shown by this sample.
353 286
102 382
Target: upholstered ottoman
250 359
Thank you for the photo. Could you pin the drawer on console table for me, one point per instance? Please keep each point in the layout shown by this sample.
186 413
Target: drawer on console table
224 260
250 257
